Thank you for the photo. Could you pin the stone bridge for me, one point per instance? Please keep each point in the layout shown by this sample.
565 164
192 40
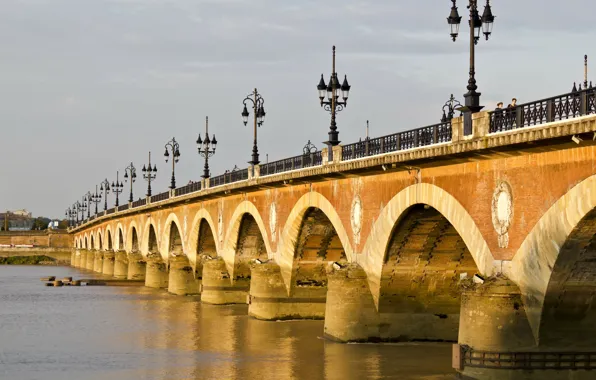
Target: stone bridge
487 240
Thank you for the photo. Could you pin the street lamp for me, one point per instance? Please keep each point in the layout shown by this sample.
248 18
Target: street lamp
88 198
149 174
130 172
333 104
117 188
477 25
83 208
207 147
105 187
96 198
172 146
68 214
450 105
259 118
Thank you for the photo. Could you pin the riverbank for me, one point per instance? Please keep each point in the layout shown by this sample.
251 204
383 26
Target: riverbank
34 256
28 260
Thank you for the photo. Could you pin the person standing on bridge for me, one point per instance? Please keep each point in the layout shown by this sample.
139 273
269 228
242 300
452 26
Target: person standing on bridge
498 118
511 113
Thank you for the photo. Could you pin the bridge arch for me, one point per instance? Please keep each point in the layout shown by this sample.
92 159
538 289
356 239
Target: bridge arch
293 227
92 240
374 253
554 265
108 239
172 241
86 241
150 243
120 243
201 240
98 239
245 221
132 238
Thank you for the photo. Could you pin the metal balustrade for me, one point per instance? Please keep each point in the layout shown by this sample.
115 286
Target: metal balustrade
238 175
561 107
190 188
293 163
123 207
111 211
528 360
160 197
432 134
217 180
139 203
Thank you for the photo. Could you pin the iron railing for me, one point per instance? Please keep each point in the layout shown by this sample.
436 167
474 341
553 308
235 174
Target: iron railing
529 360
217 180
139 203
111 211
229 177
238 175
432 134
160 197
292 163
561 107
190 188
123 207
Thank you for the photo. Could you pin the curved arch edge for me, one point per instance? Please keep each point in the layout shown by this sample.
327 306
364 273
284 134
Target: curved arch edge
373 254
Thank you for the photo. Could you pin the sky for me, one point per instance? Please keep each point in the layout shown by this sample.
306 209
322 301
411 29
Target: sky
89 86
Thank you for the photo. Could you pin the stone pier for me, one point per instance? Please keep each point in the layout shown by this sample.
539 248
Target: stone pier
493 320
156 274
73 257
136 266
217 287
108 263
98 262
350 314
90 260
83 260
269 299
77 259
182 280
120 265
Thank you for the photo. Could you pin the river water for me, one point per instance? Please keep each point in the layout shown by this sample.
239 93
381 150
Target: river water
122 333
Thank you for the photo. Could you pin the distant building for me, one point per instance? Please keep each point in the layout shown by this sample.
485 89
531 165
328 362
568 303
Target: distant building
22 212
20 220
53 225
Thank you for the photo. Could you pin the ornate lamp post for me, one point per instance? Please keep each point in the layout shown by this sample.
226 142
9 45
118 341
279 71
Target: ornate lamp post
450 105
83 208
130 172
75 209
105 187
68 215
149 174
89 199
333 104
117 188
96 198
172 146
477 24
207 147
259 118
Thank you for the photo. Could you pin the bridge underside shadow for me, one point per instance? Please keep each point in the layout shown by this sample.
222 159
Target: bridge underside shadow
317 247
221 287
426 265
